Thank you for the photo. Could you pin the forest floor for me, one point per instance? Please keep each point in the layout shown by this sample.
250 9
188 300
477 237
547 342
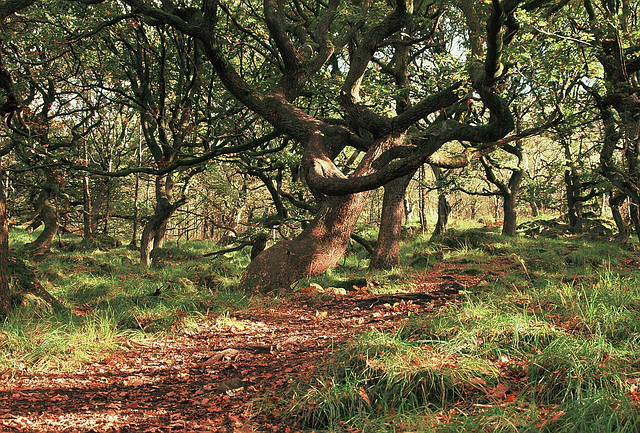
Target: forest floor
219 378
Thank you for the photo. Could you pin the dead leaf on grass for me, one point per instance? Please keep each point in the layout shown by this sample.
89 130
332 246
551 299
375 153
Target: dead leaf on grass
362 393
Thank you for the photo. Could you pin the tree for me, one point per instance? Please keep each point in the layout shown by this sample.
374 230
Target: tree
10 105
301 52
606 33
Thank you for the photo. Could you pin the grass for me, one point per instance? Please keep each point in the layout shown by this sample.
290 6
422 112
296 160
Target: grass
547 341
109 299
549 345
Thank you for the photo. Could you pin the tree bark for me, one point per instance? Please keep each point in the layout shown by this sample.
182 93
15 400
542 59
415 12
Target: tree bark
623 228
509 224
5 294
573 187
634 214
87 209
385 255
154 231
325 240
443 205
47 214
315 250
136 214
87 215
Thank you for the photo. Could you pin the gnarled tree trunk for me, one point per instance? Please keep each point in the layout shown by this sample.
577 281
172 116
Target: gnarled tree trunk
154 231
47 214
325 240
388 155
315 250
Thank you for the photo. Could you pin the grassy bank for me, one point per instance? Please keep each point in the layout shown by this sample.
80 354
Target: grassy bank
550 343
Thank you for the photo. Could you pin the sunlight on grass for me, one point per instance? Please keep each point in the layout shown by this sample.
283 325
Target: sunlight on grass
552 346
548 339
111 298
380 372
57 342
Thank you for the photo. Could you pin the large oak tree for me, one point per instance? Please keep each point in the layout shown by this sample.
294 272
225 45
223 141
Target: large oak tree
303 38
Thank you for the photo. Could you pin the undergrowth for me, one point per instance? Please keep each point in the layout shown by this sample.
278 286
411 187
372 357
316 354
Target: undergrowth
108 298
546 340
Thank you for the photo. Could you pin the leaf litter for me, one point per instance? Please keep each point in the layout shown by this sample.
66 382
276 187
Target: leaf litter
212 376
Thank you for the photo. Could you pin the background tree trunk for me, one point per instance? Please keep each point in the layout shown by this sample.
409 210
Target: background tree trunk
444 209
86 195
623 228
47 214
509 224
154 232
136 213
573 187
385 255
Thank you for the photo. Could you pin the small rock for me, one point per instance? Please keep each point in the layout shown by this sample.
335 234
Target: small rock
229 384
335 291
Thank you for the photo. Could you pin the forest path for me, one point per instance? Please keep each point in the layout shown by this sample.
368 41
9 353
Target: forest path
211 377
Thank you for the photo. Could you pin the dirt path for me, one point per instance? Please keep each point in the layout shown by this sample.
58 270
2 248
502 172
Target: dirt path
210 378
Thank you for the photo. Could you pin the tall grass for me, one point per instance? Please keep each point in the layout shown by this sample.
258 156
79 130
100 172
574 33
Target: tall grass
552 345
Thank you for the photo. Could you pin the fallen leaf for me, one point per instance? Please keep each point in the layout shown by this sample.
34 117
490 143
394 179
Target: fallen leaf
362 393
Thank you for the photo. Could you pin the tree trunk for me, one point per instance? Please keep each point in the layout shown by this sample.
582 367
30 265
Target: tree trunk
623 228
315 250
148 240
107 206
634 215
136 191
509 224
47 213
96 204
86 195
136 214
385 255
535 212
323 242
423 201
154 232
86 214
5 294
574 205
444 209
